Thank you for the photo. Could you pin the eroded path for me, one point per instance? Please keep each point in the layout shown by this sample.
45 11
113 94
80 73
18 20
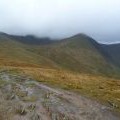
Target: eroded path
22 98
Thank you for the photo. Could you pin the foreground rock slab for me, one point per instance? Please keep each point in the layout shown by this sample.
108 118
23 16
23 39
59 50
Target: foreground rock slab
22 98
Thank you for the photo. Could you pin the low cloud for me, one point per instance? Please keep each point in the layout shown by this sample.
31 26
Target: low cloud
62 18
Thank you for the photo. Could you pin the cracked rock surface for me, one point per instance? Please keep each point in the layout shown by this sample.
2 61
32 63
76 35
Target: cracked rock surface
22 98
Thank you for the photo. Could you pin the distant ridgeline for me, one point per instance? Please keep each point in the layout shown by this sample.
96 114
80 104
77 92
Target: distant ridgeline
79 53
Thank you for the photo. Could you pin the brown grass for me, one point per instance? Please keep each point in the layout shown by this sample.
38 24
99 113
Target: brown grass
103 89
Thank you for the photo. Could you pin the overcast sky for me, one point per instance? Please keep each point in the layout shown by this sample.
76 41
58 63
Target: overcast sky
62 18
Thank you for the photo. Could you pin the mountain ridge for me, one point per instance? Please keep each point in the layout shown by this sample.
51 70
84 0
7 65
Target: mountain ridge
79 53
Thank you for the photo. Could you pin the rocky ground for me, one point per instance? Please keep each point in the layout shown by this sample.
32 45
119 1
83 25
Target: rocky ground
22 98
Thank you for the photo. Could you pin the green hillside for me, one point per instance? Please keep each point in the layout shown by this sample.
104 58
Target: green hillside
113 50
79 53
14 53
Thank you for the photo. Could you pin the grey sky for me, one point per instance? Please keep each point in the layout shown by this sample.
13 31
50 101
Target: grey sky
62 18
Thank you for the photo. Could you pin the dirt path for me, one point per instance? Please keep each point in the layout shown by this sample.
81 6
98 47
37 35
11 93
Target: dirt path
22 98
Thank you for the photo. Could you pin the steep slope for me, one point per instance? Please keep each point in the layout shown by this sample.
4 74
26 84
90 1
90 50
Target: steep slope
79 53
113 51
13 53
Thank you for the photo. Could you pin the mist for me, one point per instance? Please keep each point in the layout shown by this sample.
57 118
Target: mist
99 19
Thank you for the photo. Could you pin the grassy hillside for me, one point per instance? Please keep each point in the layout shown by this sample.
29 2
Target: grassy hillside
113 52
78 53
13 53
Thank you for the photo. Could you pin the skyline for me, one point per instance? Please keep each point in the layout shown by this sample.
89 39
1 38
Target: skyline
60 19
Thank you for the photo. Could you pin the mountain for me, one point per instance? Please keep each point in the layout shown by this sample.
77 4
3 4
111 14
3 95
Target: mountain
30 39
113 50
15 53
79 53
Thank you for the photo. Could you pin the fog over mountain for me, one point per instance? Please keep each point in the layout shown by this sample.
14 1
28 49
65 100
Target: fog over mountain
62 18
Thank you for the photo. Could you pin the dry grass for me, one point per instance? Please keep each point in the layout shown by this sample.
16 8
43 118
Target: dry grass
103 89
